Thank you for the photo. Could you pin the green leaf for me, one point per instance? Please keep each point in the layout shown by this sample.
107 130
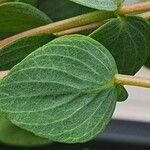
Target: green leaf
23 17
4 35
13 135
127 39
121 93
14 52
32 2
62 9
64 91
147 64
109 5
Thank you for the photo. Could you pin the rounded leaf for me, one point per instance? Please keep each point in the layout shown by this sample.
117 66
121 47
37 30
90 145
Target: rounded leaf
64 91
128 40
23 17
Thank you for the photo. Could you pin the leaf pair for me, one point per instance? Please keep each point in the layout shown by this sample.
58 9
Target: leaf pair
22 47
121 28
64 91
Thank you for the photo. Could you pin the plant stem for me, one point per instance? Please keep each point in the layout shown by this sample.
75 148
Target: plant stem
62 25
135 8
79 29
145 15
132 80
77 21
92 26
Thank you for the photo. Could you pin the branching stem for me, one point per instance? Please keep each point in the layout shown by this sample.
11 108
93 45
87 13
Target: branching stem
78 21
132 80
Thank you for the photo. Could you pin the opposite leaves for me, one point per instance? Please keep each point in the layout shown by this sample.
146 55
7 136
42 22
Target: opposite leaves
64 91
109 5
128 40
